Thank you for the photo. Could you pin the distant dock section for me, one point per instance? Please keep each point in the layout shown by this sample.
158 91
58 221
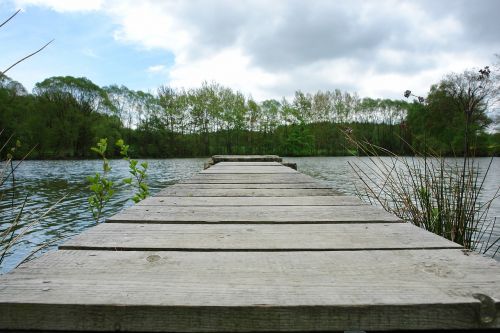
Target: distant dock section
250 245
250 160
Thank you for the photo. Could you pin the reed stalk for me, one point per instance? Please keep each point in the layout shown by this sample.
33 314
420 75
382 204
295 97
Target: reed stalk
18 223
440 195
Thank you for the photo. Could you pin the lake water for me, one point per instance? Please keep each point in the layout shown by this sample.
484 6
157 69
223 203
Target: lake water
46 182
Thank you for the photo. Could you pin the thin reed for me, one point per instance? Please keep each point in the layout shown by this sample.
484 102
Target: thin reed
15 222
440 195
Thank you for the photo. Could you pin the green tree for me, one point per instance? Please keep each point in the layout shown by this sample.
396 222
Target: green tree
454 115
75 102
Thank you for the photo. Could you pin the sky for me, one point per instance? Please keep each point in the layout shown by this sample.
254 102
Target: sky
265 49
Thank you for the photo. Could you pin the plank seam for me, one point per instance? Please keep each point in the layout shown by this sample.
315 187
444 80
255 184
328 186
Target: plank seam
167 249
248 222
236 206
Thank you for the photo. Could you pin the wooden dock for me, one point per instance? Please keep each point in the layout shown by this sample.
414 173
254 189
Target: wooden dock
252 246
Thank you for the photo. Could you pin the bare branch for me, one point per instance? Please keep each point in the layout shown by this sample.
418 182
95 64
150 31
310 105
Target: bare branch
28 56
10 18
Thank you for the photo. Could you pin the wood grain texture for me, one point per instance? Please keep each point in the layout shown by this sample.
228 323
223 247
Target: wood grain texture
267 214
293 178
252 291
246 164
252 201
246 158
249 170
194 186
235 192
251 237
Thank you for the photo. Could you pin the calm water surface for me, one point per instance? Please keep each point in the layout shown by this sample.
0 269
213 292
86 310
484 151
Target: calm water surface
46 182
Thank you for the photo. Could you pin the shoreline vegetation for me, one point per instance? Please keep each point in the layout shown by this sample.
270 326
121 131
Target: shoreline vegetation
426 189
64 116
431 192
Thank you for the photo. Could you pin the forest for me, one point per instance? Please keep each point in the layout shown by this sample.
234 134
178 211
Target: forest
64 116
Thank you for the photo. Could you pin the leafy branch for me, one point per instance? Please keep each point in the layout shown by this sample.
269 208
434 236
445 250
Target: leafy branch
138 171
103 189
100 185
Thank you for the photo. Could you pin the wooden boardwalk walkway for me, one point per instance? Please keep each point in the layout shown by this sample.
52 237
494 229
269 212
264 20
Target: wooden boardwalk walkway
252 246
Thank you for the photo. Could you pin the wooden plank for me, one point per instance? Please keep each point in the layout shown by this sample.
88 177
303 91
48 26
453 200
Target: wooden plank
194 186
252 201
251 237
246 158
249 165
267 214
250 170
250 178
253 169
297 175
278 176
245 180
234 192
252 291
238 164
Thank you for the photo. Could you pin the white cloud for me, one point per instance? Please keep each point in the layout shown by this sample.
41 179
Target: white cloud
156 69
150 24
271 48
230 67
63 5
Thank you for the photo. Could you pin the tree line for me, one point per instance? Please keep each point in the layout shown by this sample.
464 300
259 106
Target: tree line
65 116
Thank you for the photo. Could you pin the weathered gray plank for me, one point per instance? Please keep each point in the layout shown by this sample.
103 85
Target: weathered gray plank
274 177
246 164
245 180
246 158
268 214
194 186
252 291
235 192
254 169
251 237
250 170
250 178
252 201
